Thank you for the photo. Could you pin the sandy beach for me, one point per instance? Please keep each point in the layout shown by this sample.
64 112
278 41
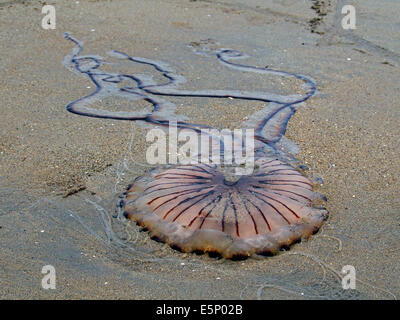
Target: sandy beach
62 175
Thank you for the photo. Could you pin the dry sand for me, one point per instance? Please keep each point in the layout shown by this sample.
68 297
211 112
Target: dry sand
61 174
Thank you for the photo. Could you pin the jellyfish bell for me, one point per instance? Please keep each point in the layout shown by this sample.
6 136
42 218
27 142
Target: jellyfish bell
207 208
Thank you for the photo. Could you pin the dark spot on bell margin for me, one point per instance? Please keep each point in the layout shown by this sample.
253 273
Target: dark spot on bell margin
284 248
155 238
214 254
266 253
297 240
198 252
239 257
315 230
175 247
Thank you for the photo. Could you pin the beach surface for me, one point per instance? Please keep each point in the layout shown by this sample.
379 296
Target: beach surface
61 174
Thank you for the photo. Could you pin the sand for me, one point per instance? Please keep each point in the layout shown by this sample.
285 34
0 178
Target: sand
61 174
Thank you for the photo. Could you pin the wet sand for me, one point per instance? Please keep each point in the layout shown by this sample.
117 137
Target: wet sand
61 174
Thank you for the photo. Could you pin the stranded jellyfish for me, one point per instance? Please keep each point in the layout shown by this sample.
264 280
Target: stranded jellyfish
206 208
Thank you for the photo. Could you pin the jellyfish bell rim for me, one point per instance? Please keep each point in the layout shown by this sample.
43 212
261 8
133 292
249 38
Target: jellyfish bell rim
217 242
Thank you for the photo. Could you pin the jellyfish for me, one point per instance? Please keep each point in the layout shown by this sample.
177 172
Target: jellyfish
203 207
